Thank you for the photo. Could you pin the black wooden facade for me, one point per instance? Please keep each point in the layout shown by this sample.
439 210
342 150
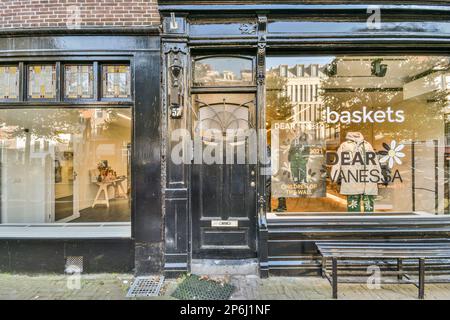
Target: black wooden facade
195 29
168 229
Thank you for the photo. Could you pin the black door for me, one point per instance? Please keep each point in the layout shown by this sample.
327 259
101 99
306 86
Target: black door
224 194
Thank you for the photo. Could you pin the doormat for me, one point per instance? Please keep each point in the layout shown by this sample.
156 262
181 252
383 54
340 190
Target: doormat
145 287
194 287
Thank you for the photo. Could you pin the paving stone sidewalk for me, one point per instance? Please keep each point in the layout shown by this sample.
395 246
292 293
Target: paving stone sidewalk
115 286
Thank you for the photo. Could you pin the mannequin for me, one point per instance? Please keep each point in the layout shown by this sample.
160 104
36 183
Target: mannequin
359 171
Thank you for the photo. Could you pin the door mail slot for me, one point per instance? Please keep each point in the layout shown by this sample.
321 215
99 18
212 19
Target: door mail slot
224 223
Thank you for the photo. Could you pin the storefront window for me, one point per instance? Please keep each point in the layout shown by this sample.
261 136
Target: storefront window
358 134
65 165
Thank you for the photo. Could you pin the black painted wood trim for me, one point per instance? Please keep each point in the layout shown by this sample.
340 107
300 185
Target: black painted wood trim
410 7
113 31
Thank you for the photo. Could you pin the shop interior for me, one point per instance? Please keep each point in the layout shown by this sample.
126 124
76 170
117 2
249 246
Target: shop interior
65 165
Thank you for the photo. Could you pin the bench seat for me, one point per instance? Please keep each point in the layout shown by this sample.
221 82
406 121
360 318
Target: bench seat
389 250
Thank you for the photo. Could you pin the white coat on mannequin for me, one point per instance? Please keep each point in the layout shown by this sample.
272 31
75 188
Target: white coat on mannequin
369 186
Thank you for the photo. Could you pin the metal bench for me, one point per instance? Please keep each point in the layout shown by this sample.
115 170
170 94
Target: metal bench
399 251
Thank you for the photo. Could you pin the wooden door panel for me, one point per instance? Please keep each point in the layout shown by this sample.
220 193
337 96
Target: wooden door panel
210 191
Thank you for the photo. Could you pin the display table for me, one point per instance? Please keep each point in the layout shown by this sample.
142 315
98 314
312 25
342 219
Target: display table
103 187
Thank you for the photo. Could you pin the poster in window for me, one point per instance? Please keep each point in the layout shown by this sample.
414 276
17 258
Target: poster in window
9 82
41 81
298 161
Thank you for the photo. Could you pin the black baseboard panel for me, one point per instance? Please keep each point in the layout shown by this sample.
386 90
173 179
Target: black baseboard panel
49 256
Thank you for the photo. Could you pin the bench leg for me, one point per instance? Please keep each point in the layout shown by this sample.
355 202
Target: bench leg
421 278
334 277
400 269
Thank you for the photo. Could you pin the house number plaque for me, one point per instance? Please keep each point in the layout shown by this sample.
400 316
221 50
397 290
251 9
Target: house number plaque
224 223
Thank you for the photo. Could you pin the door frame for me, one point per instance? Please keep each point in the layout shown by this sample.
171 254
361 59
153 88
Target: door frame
196 221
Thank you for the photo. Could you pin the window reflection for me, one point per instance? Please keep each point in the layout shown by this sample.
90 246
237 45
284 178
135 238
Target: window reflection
65 165
392 109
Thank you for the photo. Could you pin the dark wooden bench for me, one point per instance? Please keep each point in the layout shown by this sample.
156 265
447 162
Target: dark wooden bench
398 251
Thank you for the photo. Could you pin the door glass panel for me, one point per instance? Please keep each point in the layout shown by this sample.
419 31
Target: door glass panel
223 71
217 115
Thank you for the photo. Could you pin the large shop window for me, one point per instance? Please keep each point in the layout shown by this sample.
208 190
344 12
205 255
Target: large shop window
359 134
65 165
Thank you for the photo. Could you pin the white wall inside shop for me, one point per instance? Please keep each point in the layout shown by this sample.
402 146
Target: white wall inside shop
27 186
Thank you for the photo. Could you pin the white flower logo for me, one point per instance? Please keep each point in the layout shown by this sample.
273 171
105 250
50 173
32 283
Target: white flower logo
353 204
392 153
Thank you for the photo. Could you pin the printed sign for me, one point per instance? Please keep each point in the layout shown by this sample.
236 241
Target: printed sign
224 223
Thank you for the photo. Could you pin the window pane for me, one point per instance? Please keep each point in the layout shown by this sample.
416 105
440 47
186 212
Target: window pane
65 165
223 71
79 81
367 134
42 82
116 81
219 113
9 82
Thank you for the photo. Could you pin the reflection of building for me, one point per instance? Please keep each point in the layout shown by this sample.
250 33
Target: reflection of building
208 71
303 88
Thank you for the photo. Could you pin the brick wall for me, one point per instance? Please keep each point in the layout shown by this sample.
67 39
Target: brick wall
73 13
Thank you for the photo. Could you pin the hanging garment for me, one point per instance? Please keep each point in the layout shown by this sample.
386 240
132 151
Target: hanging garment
357 167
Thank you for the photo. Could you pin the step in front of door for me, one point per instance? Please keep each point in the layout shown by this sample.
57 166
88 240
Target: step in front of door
224 267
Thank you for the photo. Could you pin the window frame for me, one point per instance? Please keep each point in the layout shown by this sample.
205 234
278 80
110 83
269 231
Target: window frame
60 102
389 50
